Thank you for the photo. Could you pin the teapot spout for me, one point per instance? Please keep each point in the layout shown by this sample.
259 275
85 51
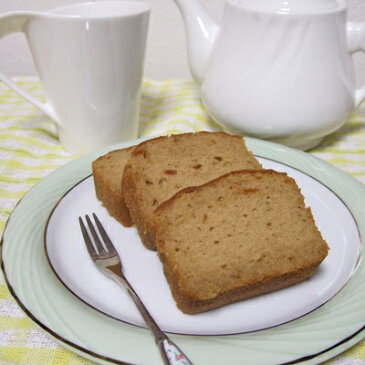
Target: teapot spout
201 31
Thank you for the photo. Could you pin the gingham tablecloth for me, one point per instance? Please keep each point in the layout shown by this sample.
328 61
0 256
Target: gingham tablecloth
30 150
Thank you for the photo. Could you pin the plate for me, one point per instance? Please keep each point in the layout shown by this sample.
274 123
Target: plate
324 332
70 260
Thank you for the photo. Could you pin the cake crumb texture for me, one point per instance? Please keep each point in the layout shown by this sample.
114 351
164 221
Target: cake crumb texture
160 167
107 173
241 235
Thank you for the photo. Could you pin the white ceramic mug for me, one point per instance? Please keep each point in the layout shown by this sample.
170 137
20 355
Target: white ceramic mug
90 61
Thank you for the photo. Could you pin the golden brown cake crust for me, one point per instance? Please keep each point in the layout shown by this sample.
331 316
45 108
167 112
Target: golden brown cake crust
160 167
133 201
107 173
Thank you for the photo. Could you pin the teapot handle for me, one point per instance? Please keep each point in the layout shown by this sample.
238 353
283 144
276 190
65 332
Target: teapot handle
15 22
356 43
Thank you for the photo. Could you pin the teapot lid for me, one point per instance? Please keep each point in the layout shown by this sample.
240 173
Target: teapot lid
289 6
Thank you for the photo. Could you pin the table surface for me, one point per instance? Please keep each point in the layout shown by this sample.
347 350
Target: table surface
30 150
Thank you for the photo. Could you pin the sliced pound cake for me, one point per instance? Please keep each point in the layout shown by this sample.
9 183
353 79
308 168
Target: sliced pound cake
107 173
160 167
241 235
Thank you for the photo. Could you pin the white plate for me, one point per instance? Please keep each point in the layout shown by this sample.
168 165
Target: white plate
69 258
315 337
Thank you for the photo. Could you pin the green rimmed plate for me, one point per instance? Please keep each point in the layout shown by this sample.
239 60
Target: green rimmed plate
317 336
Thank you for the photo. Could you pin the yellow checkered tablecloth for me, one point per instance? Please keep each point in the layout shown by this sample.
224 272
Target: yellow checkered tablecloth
29 150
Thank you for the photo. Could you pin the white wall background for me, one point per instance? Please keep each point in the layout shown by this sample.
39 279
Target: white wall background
166 52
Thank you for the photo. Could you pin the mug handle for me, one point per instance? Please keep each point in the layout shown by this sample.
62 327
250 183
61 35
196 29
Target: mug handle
356 43
11 23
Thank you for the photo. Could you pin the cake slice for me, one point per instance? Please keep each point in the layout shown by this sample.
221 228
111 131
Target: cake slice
107 172
160 167
241 235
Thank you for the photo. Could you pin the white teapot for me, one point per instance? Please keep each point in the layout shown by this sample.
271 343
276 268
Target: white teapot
276 69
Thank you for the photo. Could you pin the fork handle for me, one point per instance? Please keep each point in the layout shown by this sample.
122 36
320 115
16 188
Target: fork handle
170 352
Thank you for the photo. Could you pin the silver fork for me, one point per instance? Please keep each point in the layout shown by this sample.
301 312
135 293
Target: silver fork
108 261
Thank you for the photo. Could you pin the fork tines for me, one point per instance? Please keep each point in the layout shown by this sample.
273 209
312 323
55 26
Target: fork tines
103 245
